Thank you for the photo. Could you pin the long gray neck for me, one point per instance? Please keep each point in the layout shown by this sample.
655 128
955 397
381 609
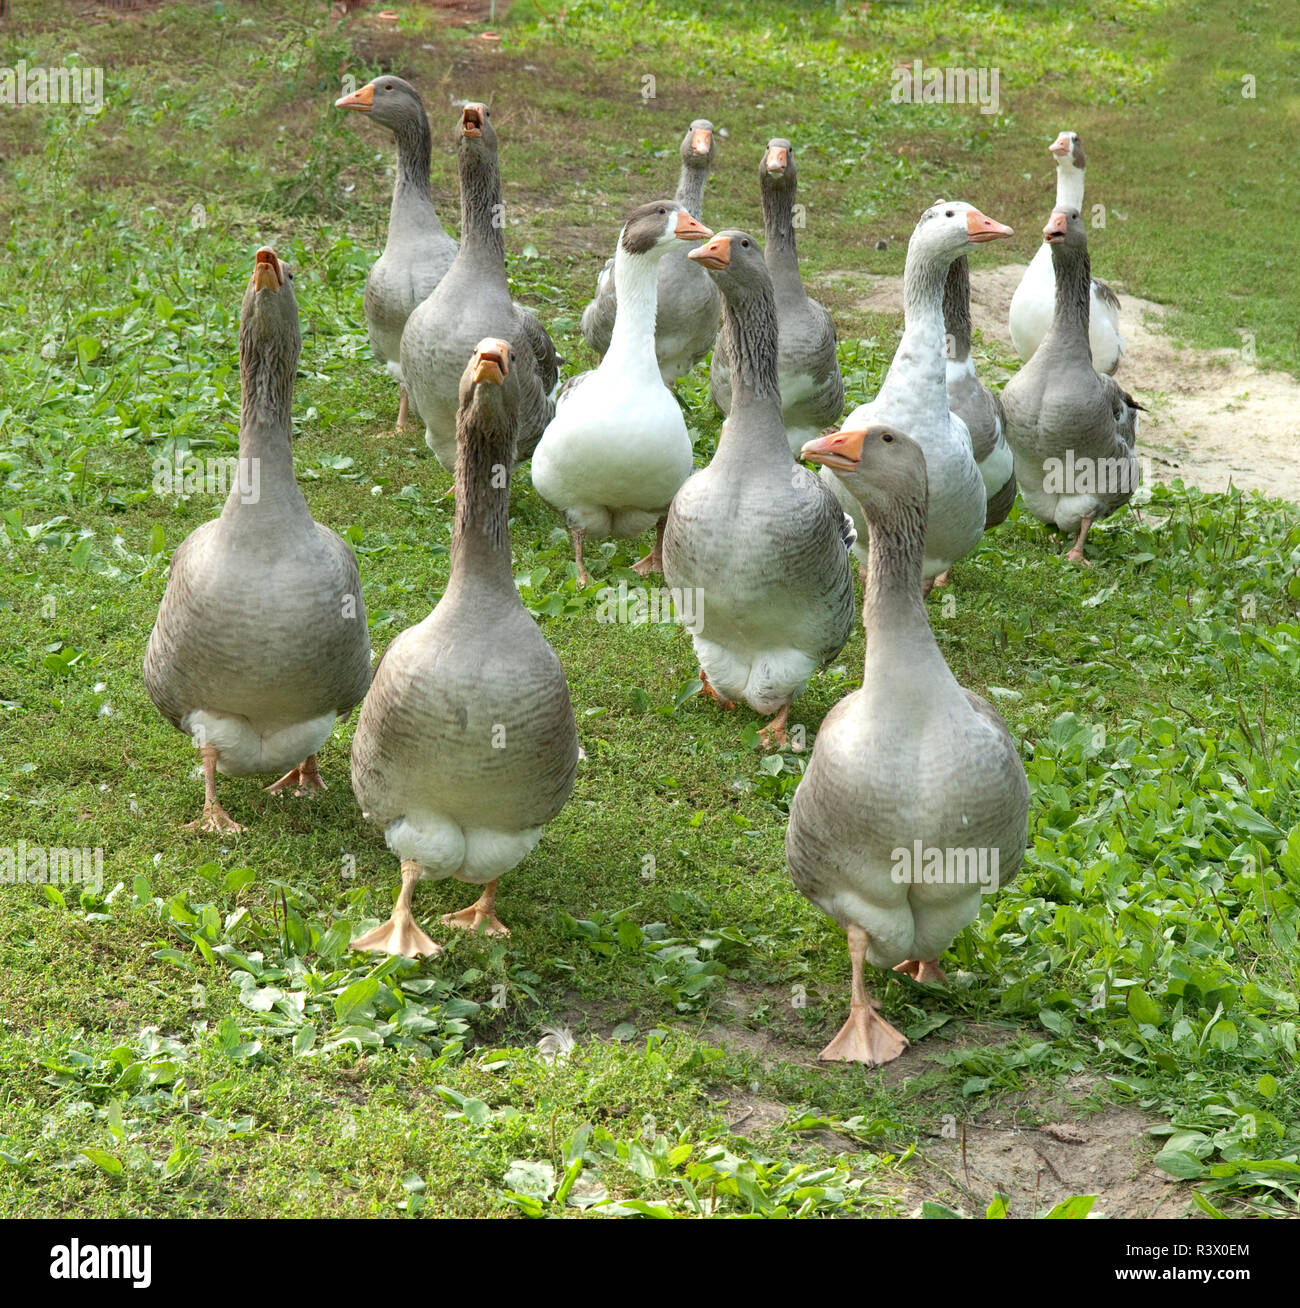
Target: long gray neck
1073 270
265 486
779 251
754 430
480 541
482 216
956 308
413 153
690 188
899 639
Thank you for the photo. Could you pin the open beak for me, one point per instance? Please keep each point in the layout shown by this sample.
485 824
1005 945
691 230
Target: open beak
701 140
716 254
491 362
268 274
362 99
777 160
1055 229
1061 146
471 120
837 449
981 228
688 229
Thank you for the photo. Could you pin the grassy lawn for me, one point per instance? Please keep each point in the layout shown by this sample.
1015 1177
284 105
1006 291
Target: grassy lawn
198 1038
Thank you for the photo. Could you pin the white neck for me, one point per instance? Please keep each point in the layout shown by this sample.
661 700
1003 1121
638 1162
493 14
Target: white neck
917 381
632 343
1069 185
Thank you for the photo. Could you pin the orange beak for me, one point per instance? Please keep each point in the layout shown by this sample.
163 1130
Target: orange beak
777 159
268 275
361 99
491 362
981 228
1061 146
471 119
1055 229
837 449
716 254
689 230
701 140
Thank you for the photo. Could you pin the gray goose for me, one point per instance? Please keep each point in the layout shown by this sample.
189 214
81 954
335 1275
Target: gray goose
974 403
686 319
759 538
418 251
473 302
261 640
466 743
1072 429
909 766
812 391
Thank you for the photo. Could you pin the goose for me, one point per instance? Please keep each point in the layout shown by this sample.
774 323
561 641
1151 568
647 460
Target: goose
686 323
466 745
909 773
812 390
914 394
473 302
617 449
974 403
261 641
418 251
1071 428
1034 302
757 538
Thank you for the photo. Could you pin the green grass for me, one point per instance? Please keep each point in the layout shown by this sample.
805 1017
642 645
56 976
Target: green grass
200 1038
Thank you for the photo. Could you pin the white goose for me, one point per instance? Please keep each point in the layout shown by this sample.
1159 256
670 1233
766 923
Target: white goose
617 449
1033 303
914 395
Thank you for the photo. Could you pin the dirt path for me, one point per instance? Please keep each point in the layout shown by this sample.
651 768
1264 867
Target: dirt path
1213 419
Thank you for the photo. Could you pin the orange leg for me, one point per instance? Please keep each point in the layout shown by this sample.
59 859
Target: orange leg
866 1037
927 971
215 819
713 694
482 912
400 935
654 561
303 779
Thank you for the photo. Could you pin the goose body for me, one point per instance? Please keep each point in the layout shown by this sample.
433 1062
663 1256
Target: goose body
910 765
466 746
914 395
687 302
1072 429
1033 303
758 538
974 403
617 449
418 251
808 371
261 641
471 303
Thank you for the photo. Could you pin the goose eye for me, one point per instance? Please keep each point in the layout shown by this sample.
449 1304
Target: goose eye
887 438
948 214
745 244
388 86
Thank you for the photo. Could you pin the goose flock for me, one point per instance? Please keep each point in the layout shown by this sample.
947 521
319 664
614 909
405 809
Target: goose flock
465 745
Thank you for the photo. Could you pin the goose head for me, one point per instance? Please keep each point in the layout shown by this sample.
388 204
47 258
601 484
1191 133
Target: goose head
777 171
651 230
268 320
388 100
882 469
734 260
949 228
1068 151
1065 228
475 135
698 145
489 386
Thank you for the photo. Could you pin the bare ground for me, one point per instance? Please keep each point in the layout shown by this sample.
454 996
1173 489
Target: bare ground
1214 419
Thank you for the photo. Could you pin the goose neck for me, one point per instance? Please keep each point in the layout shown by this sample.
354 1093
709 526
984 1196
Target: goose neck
956 309
632 343
1073 273
482 215
779 250
749 338
414 150
893 610
690 189
1069 187
480 540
